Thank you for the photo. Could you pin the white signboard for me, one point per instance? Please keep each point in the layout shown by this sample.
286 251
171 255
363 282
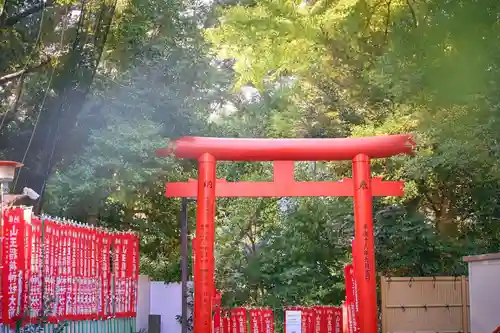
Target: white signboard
293 321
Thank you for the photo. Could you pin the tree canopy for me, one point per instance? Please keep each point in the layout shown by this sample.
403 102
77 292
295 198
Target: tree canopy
90 89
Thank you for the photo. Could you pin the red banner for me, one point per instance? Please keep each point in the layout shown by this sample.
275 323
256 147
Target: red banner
345 319
117 275
330 319
59 306
351 292
13 265
355 287
28 248
217 312
238 320
35 288
320 321
74 255
226 322
255 320
338 319
310 319
268 317
107 309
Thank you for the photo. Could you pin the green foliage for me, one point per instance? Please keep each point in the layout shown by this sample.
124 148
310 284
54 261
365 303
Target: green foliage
325 68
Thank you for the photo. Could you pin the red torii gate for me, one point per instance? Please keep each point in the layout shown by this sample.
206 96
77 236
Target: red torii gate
284 152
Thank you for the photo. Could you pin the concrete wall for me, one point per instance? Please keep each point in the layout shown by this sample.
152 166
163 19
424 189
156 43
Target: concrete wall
159 298
165 300
484 291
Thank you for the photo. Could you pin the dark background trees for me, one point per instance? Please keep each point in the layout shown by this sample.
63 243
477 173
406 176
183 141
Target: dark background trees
90 89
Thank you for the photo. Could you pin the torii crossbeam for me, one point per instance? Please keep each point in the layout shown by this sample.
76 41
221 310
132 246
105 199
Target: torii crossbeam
284 152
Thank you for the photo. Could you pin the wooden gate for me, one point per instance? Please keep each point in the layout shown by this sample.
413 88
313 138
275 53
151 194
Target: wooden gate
425 304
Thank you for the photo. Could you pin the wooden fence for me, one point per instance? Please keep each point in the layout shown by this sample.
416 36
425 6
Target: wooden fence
425 304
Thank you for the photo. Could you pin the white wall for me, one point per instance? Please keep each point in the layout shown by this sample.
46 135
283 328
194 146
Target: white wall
484 291
165 300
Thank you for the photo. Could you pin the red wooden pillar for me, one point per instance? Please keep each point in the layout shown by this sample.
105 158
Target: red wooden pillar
364 251
205 234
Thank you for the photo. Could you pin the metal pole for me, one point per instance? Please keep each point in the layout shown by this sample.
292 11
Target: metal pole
184 262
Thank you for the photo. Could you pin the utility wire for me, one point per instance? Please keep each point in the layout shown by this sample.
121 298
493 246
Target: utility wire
37 41
49 83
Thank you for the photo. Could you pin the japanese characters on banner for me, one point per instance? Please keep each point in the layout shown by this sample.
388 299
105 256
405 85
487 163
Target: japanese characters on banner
334 319
318 319
217 312
35 280
256 320
226 321
239 320
66 270
106 303
345 320
351 298
125 275
13 265
268 317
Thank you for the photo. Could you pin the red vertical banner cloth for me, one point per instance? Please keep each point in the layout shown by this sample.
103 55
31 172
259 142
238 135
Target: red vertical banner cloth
27 248
106 305
256 320
74 257
226 322
78 288
355 285
350 284
320 320
345 321
117 287
49 277
126 273
13 263
217 320
35 280
133 274
338 319
85 280
309 313
334 319
239 320
268 316
61 234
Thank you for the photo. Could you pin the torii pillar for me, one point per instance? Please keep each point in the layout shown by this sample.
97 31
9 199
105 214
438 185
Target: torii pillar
284 152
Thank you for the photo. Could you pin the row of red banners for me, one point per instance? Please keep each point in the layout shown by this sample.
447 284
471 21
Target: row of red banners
317 319
73 272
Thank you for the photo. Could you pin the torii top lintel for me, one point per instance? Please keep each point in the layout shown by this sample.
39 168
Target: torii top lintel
245 149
